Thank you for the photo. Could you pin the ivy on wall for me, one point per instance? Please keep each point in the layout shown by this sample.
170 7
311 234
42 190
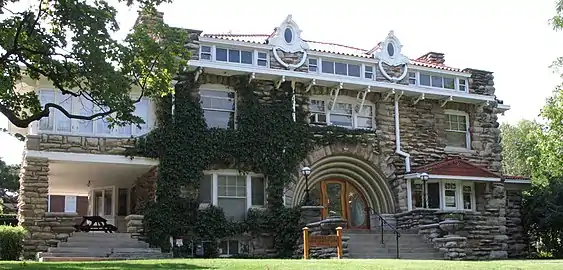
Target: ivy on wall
266 140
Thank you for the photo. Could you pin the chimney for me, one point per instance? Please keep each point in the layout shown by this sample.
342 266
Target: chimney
148 16
433 58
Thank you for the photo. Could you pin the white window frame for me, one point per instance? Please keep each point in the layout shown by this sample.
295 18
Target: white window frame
76 106
215 187
459 194
334 61
317 65
457 85
210 53
223 88
347 100
256 59
467 133
365 72
69 206
238 48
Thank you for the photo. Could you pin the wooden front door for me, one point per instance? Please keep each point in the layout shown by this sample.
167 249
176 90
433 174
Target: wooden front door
341 199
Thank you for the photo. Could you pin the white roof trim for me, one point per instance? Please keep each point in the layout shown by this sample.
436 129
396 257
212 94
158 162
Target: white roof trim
414 67
357 84
94 158
453 177
518 181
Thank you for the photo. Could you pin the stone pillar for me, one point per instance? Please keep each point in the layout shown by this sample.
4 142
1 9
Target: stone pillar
134 225
310 214
32 203
495 210
518 240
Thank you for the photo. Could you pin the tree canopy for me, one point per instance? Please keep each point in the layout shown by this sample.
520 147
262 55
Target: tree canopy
9 182
71 43
519 147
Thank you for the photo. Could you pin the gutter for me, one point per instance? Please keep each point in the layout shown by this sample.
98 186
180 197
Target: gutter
398 137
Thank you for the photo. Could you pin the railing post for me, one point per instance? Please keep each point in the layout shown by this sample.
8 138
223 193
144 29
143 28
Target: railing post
381 219
397 237
339 251
305 243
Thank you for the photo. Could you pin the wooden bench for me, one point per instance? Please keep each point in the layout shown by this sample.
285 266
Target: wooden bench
97 224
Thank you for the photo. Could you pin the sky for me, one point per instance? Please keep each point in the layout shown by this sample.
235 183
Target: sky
511 38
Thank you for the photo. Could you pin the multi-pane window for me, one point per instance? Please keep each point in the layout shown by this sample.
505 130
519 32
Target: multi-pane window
205 52
368 74
313 65
341 68
343 114
447 195
229 247
412 78
233 56
218 108
450 199
437 81
233 192
262 59
57 122
457 134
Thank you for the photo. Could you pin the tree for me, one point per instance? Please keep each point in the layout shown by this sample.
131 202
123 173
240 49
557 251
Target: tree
9 182
519 147
70 43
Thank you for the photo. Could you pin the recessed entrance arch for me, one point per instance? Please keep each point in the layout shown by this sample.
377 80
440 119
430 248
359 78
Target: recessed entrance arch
349 177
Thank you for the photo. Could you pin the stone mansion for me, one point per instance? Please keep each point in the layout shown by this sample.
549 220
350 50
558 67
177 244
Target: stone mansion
437 151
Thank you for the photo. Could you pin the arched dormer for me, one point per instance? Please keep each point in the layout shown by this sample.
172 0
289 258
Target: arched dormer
287 38
389 53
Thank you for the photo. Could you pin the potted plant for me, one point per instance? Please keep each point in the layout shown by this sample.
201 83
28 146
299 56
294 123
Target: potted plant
452 223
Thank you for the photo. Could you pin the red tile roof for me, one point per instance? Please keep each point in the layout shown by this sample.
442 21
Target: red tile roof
326 47
456 167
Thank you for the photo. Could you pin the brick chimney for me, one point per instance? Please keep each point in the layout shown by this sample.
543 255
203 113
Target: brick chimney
433 57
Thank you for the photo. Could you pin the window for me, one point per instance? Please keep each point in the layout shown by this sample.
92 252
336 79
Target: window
368 74
313 65
343 114
233 56
218 108
318 115
205 52
340 68
463 85
457 134
232 247
262 59
58 123
450 195
233 192
425 79
412 78
445 195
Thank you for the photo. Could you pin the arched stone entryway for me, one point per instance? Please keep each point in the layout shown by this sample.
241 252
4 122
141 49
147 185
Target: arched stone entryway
355 171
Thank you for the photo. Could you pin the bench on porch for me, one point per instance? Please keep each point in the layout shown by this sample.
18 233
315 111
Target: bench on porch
97 224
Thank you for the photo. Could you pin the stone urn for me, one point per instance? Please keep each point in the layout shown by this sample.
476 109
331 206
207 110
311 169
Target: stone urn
451 226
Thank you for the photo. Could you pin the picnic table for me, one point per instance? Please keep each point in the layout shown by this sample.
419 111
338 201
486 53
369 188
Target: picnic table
97 223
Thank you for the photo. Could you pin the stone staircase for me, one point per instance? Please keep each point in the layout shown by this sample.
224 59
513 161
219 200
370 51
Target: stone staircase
367 245
101 246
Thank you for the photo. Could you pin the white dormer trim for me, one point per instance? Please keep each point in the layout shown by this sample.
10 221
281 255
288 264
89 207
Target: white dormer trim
390 54
287 38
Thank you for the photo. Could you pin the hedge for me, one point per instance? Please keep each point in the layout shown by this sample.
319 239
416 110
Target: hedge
9 220
11 242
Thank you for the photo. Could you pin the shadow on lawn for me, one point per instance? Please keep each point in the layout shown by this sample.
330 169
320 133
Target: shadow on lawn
103 265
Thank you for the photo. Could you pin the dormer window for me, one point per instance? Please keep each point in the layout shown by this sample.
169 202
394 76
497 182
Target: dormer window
288 35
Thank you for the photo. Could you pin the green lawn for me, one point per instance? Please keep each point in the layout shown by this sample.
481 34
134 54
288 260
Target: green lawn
289 264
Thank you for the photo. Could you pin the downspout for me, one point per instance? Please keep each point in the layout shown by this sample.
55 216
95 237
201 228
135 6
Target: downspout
293 103
398 138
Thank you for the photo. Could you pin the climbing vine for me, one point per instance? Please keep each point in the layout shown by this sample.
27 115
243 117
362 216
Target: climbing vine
266 140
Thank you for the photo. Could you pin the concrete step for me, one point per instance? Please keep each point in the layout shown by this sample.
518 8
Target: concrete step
101 250
102 255
419 256
108 244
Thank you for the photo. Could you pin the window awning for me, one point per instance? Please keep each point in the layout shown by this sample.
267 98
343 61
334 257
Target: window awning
459 169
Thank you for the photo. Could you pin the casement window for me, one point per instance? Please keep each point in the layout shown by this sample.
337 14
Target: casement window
262 59
58 123
233 192
343 114
444 195
313 65
457 129
339 68
437 81
368 72
218 107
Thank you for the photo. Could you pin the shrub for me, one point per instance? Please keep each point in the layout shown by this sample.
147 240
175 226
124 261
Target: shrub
11 242
8 219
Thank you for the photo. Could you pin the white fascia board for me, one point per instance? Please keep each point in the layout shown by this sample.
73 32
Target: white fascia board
463 178
349 83
503 107
438 71
228 42
412 176
518 181
93 158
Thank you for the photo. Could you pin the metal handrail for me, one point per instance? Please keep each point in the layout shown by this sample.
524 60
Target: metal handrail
383 223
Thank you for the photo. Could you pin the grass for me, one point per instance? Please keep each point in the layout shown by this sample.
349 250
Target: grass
287 264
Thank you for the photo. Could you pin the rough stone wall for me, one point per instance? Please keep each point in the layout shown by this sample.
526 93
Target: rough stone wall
289 58
145 189
78 144
518 240
481 82
392 71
